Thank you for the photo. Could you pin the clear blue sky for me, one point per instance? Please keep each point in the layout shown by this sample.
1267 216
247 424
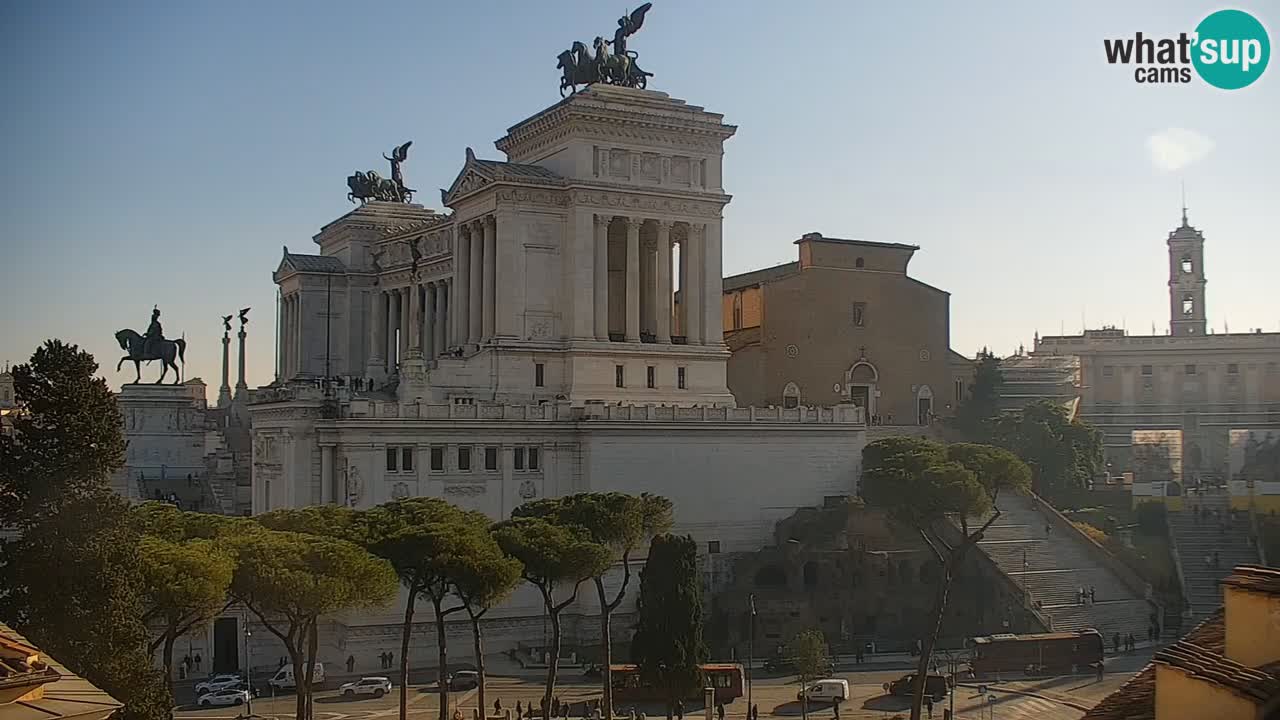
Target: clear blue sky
161 152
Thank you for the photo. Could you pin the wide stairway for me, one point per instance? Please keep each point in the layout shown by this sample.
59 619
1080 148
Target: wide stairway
1198 537
1053 568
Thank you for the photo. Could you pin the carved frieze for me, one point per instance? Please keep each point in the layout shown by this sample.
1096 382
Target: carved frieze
627 201
464 490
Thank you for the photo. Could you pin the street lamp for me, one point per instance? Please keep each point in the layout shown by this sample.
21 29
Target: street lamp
248 666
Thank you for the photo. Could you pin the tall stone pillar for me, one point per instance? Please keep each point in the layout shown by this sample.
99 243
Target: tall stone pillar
415 317
241 386
430 348
377 365
712 283
406 322
326 475
662 291
393 325
462 286
693 292
224 390
490 297
601 277
633 279
475 295
299 361
444 318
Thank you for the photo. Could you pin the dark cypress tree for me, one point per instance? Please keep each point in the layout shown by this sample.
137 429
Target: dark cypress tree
668 644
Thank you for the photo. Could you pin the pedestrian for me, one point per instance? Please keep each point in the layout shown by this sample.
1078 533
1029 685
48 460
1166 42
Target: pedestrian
351 663
680 709
519 710
1093 595
1115 643
1047 529
928 704
197 662
391 660
835 709
755 711
720 710
1208 560
497 706
1099 664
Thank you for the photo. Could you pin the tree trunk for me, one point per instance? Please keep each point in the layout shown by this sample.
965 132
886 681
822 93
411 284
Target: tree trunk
168 662
300 702
404 653
479 647
926 645
553 663
312 642
442 644
606 644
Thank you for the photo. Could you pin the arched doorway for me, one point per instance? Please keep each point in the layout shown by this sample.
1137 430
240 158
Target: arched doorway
924 405
860 385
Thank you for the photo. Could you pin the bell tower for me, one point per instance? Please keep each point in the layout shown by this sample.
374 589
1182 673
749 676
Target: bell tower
1186 280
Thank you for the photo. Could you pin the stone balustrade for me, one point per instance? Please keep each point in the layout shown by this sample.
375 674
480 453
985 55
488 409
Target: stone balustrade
563 412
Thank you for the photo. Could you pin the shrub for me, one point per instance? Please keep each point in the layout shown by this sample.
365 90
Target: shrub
1096 534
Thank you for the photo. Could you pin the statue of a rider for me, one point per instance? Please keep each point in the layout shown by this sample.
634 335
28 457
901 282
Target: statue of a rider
154 335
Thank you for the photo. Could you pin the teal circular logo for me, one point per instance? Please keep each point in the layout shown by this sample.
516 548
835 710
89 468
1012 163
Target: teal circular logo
1231 49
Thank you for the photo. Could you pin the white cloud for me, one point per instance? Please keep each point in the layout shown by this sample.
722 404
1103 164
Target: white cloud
1176 148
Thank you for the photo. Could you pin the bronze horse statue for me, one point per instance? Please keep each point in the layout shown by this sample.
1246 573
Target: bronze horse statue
166 352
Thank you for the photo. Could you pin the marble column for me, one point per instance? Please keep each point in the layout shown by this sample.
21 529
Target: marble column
462 285
415 317
693 293
406 322
430 348
713 281
326 475
444 317
475 287
633 279
393 324
601 277
377 315
297 336
224 390
490 293
662 291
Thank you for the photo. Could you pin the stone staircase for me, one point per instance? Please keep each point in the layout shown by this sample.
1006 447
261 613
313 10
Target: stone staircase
1052 568
1198 538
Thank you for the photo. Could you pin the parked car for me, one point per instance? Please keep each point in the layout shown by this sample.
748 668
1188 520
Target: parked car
218 682
935 686
464 680
375 686
829 690
224 697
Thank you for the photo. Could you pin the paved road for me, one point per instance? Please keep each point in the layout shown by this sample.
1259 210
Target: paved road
1052 699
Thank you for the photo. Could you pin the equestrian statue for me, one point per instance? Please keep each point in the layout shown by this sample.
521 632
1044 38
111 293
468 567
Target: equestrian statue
612 62
152 346
366 186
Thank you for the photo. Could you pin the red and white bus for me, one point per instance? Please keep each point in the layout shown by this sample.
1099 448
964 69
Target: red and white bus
726 678
1037 653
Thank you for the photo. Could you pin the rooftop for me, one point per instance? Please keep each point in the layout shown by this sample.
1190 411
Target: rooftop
757 277
819 237
66 695
1255 578
1204 664
314 263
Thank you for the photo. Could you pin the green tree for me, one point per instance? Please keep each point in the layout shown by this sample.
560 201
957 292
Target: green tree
72 580
484 576
288 580
668 644
1063 454
620 522
554 556
185 586
980 408
808 650
924 485
425 540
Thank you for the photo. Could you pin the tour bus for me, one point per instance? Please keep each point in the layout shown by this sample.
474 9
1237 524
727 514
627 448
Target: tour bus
726 678
1036 653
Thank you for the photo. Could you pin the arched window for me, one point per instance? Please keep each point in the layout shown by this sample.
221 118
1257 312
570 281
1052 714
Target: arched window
737 311
1188 305
791 396
1187 266
859 263
811 574
770 576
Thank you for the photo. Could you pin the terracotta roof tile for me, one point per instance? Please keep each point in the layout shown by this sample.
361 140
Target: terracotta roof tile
1255 578
1212 667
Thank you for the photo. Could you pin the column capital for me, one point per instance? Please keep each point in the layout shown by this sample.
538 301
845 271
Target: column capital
665 225
602 220
490 221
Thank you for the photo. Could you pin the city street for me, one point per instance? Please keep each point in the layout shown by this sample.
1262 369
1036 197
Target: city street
1059 698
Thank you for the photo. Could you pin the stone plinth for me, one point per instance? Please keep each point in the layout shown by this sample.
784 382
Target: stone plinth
164 426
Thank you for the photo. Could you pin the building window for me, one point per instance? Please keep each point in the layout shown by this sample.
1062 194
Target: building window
1108 370
791 396
1188 305
1233 369
859 314
617 376
392 456
680 378
713 547
859 263
538 375
959 391
1146 370
1190 369
517 458
464 459
464 401
491 458
1187 267
648 376
533 458
737 311
406 459
437 459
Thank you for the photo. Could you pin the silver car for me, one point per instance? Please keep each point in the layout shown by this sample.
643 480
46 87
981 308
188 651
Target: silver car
224 697
375 686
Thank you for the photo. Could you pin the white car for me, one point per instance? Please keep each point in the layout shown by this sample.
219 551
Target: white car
217 682
224 697
375 686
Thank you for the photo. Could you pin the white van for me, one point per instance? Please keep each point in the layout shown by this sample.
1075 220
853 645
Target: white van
283 679
831 690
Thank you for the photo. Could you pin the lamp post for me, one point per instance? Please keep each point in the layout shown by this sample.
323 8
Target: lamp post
248 666
751 647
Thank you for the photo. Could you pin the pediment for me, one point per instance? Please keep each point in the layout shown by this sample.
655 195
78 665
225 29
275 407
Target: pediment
468 181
